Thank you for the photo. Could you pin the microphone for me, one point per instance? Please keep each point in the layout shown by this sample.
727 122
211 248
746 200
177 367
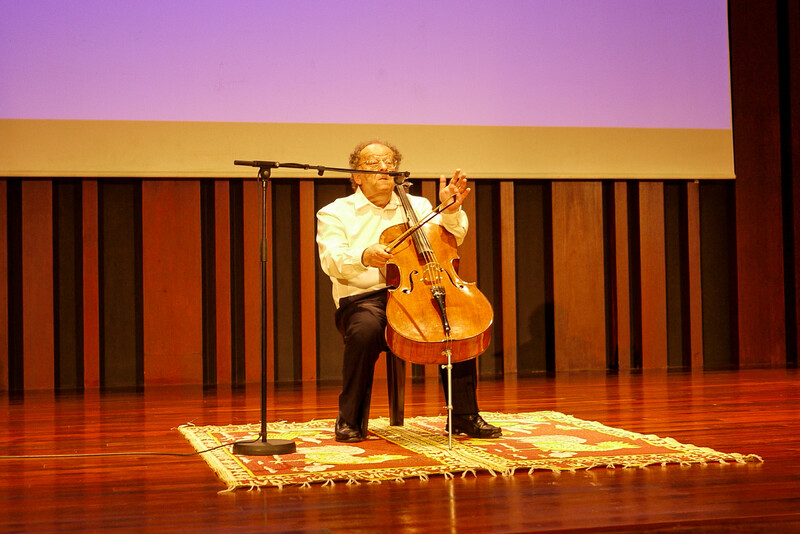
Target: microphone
267 164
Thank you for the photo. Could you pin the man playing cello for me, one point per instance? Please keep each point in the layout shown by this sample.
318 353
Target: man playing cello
348 232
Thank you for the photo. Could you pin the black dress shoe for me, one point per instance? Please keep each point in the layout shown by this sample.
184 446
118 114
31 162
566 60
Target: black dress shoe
474 426
346 432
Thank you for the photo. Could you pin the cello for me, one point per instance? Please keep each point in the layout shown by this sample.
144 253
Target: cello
433 316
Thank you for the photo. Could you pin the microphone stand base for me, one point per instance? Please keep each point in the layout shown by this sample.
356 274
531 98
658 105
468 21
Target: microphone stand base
265 447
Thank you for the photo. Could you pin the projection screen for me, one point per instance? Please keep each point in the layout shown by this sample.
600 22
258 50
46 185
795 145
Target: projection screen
583 89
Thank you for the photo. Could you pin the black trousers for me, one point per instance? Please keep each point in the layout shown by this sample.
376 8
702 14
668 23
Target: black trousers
362 322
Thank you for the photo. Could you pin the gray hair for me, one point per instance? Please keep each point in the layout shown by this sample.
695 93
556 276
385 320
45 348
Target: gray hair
355 156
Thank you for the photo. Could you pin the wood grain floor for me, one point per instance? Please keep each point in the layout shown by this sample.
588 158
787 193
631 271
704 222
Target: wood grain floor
749 411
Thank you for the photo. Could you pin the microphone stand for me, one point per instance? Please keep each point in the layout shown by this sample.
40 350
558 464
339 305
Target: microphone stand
263 446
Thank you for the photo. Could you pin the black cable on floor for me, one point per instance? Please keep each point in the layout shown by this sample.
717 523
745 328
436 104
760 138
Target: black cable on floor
145 453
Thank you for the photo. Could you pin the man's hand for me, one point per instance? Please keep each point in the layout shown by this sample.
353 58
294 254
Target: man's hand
375 256
456 187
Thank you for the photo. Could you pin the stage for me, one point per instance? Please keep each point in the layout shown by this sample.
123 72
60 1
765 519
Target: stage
748 411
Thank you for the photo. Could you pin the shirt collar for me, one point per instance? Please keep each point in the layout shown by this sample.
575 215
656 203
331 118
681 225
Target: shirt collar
362 202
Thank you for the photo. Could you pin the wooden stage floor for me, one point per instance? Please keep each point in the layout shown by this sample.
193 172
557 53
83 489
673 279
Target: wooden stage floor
749 412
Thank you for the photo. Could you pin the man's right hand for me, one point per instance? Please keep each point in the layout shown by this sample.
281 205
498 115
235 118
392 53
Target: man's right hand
375 256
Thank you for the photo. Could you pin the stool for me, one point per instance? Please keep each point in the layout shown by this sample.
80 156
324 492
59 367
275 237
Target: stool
396 379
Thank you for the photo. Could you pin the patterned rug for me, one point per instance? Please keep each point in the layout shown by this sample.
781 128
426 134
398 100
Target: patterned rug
537 440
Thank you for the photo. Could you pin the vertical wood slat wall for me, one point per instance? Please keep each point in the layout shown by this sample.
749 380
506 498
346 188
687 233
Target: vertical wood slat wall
761 152
5 346
578 276
171 271
171 245
37 284
729 252
792 150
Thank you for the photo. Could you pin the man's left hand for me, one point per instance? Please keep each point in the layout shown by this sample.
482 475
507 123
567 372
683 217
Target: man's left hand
456 187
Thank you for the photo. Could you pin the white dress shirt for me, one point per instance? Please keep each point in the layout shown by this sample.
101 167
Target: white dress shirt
350 224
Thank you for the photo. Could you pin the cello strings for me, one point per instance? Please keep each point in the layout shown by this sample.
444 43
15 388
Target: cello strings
431 263
421 240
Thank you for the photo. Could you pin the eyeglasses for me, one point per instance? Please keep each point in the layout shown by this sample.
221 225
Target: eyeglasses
377 163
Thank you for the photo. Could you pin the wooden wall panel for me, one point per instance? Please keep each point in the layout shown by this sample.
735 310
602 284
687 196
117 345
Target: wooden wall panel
675 254
759 222
308 293
329 340
653 275
68 284
172 282
252 282
14 284
3 285
237 291
694 276
486 227
533 264
222 279
91 289
622 277
208 283
284 266
37 284
578 276
718 274
119 238
269 281
792 178
508 275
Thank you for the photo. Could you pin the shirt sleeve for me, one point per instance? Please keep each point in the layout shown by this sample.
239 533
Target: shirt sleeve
337 258
456 223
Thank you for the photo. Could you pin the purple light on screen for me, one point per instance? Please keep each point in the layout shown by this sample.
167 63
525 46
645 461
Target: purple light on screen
609 63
